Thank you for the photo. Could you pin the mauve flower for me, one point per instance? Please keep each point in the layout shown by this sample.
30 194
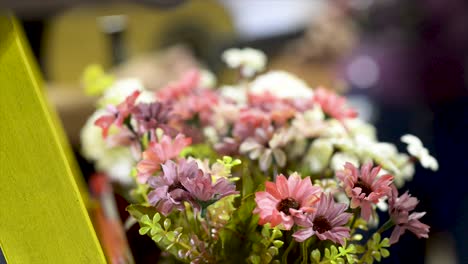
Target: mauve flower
327 222
169 192
205 192
160 152
153 115
333 104
364 187
118 114
184 87
286 201
399 209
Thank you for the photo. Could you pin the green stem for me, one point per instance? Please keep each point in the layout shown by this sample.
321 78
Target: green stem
304 252
356 213
386 226
284 259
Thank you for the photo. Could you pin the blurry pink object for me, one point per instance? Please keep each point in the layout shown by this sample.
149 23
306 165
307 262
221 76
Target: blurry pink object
399 209
333 105
118 114
160 152
180 89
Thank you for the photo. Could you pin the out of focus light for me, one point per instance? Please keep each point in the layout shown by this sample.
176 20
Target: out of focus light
364 106
363 72
260 18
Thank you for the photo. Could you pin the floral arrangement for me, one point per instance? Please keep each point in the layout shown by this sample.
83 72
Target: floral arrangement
265 170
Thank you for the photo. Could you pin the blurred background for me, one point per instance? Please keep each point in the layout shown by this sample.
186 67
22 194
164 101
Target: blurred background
404 64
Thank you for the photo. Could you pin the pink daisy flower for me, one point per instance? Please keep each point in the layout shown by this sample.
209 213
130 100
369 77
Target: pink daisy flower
168 191
327 222
399 209
286 201
160 152
118 114
364 187
333 104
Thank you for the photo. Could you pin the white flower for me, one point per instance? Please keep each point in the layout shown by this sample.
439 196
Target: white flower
281 84
416 149
382 204
234 93
319 154
207 79
121 89
249 60
116 162
310 123
339 159
360 128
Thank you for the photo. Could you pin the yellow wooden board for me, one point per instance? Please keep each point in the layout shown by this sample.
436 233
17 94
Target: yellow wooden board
43 218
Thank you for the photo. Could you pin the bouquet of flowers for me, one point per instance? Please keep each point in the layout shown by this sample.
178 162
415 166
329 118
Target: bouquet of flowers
265 170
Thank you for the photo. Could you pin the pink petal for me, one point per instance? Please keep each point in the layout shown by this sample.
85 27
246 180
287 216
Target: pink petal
303 234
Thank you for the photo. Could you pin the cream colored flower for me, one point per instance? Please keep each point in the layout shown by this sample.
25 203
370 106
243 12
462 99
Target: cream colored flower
123 88
310 123
339 159
234 93
319 155
416 149
116 162
281 84
250 61
207 79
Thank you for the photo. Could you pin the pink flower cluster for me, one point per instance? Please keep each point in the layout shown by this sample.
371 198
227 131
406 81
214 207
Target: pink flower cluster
295 201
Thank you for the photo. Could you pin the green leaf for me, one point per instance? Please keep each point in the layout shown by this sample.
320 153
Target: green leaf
273 251
266 231
315 255
170 236
278 243
167 224
144 230
138 211
255 259
376 255
277 233
385 243
157 237
385 253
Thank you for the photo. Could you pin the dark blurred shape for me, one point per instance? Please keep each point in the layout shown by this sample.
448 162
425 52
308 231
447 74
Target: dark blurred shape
43 8
421 51
114 27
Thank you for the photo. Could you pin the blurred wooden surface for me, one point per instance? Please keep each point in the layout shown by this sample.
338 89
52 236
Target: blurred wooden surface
43 218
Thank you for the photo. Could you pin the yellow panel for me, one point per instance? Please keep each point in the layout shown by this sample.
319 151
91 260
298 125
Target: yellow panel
42 217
